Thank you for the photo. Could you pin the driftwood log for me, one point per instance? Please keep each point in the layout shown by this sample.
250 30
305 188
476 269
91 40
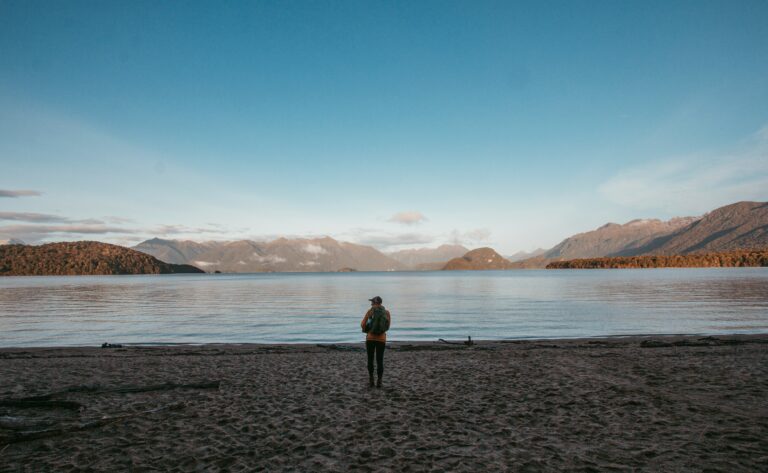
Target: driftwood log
21 423
38 434
333 346
119 389
468 343
47 401
40 404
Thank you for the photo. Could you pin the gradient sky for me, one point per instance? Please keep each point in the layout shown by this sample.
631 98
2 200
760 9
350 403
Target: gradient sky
396 124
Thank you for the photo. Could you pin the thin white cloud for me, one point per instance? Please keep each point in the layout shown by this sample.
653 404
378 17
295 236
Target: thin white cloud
205 264
128 240
694 184
18 193
388 240
314 249
762 134
269 259
114 219
470 237
410 217
45 218
182 229
47 227
33 233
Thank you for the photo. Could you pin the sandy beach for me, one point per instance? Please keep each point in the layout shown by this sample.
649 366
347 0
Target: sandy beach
649 404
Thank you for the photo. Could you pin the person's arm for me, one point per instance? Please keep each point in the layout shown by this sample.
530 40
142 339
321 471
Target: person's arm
365 319
389 320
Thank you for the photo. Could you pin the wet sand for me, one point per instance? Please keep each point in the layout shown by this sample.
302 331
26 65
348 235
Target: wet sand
649 404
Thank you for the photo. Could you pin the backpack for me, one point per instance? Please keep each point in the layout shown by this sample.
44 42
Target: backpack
379 322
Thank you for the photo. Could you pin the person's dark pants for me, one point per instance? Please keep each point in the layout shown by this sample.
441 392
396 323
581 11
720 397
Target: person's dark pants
378 348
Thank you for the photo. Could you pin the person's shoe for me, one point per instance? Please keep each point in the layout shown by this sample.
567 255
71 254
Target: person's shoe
370 381
378 383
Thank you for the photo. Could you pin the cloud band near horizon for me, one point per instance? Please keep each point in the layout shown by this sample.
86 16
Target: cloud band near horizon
13 194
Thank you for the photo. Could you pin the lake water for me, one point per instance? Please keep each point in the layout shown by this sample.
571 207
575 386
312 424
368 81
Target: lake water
327 307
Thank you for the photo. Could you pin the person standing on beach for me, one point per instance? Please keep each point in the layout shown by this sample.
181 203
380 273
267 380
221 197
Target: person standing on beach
375 324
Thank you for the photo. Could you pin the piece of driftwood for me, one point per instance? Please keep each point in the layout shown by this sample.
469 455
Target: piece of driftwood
160 387
38 434
40 404
333 346
21 423
468 343
120 389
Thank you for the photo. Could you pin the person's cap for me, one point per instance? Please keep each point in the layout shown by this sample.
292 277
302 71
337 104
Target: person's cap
376 300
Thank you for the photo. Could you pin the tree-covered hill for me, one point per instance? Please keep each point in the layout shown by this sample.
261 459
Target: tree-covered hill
82 258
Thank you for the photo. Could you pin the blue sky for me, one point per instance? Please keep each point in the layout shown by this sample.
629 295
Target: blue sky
397 124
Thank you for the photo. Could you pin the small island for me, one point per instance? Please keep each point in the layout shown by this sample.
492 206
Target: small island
478 260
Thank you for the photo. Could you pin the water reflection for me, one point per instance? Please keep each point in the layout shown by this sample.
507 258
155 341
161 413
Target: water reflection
426 306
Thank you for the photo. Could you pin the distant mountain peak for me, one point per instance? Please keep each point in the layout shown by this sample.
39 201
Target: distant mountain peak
641 221
420 258
521 255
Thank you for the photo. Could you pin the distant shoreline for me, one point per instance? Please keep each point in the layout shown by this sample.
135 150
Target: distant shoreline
396 344
473 271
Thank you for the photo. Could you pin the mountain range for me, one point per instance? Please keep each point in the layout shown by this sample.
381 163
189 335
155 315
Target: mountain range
743 225
739 226
281 255
612 238
295 255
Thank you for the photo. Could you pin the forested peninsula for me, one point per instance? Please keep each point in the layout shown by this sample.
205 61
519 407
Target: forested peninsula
82 258
742 258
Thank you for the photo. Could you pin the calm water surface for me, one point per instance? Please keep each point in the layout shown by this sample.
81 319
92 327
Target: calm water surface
327 307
